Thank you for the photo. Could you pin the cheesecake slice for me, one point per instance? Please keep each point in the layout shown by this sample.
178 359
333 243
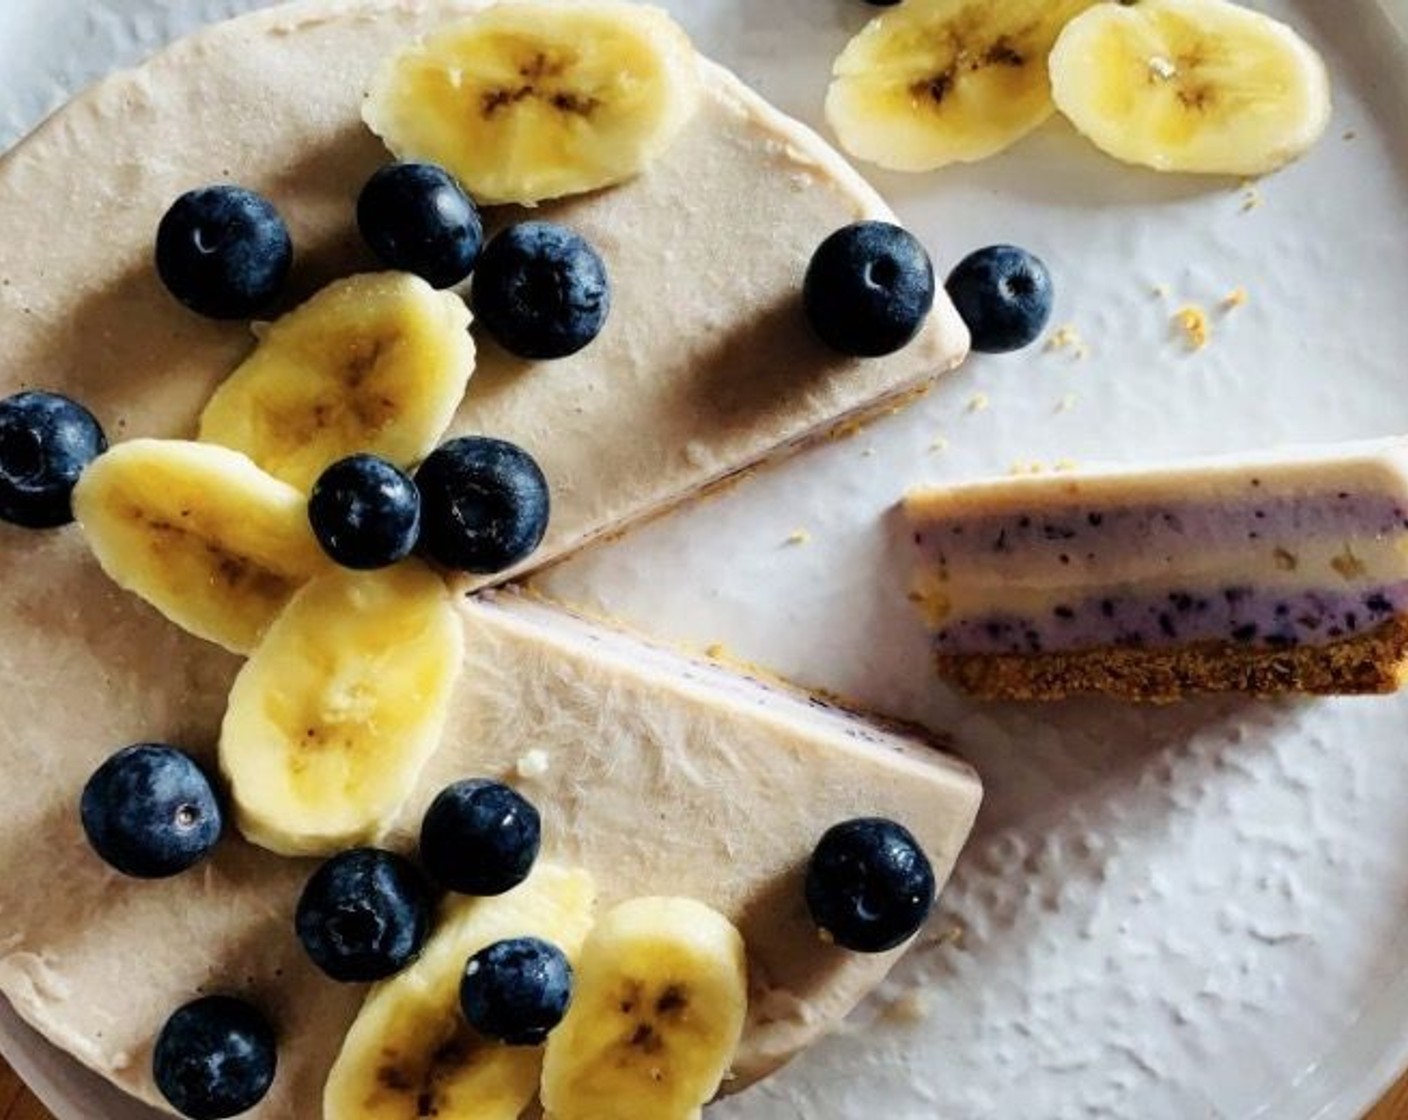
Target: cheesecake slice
706 365
1284 571
659 773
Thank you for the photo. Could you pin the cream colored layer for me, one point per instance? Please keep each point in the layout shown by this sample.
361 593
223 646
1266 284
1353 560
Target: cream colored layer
1369 466
1285 567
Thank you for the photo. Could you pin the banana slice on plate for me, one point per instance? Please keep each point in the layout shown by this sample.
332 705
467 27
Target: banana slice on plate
410 1054
934 82
375 363
539 99
199 532
332 719
662 993
1191 85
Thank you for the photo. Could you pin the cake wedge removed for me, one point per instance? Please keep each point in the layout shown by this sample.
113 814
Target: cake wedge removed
1282 571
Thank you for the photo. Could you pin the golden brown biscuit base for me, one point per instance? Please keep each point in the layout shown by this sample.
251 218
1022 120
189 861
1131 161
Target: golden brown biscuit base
1373 662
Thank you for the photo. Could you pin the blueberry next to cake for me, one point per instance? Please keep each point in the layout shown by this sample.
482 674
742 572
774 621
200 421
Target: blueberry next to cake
1278 572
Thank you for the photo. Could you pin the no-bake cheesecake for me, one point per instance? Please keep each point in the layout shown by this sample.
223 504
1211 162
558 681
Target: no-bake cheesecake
1283 571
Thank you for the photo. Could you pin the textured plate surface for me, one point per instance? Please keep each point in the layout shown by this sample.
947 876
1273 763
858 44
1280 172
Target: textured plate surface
1193 912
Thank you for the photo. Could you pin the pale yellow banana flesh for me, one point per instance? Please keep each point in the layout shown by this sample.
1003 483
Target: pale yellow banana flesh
410 1053
376 363
199 532
333 717
1191 85
660 1001
535 100
934 82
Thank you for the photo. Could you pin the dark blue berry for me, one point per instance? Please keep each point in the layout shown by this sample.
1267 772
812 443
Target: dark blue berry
215 1058
416 218
479 837
484 504
541 290
45 442
869 885
364 915
868 289
223 251
516 991
365 512
151 812
1004 295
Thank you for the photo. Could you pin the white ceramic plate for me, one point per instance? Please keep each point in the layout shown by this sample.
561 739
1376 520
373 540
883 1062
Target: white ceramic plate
1194 912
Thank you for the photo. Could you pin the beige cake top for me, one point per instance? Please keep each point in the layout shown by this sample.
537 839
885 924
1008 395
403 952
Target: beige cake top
705 368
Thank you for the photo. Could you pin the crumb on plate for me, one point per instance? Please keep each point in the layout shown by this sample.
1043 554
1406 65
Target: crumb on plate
1192 321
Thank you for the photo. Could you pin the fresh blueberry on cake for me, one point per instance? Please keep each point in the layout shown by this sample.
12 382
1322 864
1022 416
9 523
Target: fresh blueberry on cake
46 441
541 291
1004 295
364 915
868 289
150 812
223 251
480 838
485 504
516 990
869 885
365 512
216 1057
416 218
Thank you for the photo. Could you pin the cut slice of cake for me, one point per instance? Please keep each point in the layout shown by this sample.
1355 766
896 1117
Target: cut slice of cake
1284 571
654 772
706 365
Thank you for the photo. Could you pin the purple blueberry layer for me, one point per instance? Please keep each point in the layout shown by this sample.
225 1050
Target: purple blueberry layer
1263 618
1077 537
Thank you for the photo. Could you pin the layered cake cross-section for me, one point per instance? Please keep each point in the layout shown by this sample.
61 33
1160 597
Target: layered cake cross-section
1284 571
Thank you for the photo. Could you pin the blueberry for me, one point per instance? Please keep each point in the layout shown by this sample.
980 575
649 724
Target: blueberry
365 512
479 838
45 442
868 289
364 915
541 291
416 218
484 504
151 812
869 885
215 1058
223 251
1004 295
516 991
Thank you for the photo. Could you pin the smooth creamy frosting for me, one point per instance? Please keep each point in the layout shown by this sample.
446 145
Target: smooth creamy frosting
703 369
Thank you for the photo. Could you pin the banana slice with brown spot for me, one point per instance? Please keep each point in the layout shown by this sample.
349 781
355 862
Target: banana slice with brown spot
376 363
538 99
661 999
199 532
934 82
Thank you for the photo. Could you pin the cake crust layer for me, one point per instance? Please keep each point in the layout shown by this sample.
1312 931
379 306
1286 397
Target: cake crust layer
1374 662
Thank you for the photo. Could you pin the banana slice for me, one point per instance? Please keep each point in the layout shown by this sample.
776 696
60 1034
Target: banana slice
374 363
538 99
662 992
199 532
1191 85
410 1053
934 82
331 720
